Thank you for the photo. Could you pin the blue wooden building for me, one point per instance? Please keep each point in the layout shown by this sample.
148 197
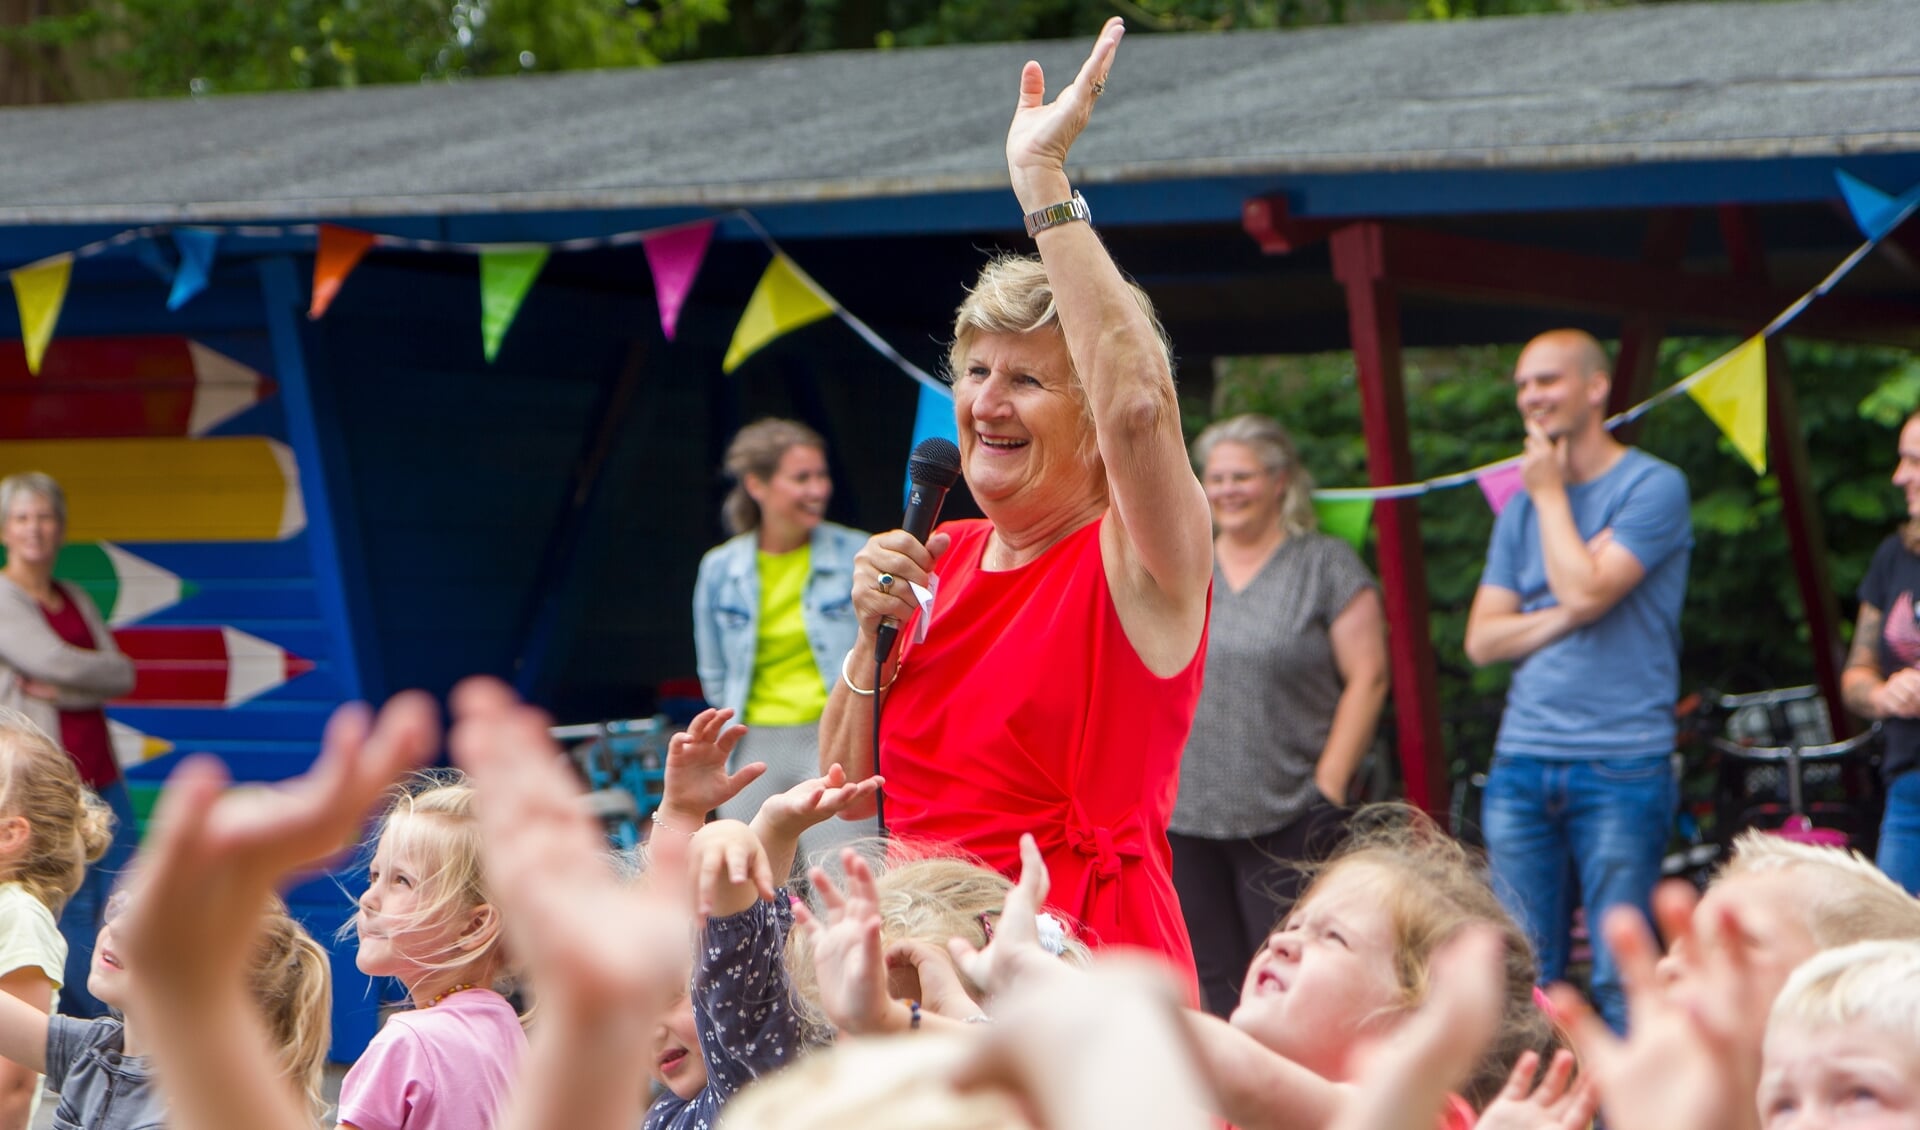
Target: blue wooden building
370 505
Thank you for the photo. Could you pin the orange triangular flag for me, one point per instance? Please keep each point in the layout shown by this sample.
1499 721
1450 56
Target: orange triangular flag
334 259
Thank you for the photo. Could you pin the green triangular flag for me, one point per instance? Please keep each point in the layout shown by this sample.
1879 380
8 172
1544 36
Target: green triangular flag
506 274
1345 518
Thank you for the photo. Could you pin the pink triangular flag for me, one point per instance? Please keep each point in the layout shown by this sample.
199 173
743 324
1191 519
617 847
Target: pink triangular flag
675 257
1500 485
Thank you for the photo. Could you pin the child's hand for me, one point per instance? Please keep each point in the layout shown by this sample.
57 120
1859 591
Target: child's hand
1552 1105
604 956
846 951
1014 955
1682 1065
730 869
941 989
697 781
812 802
203 880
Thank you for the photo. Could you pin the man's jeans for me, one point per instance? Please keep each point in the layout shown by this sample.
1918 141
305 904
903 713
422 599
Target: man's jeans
1603 822
1899 854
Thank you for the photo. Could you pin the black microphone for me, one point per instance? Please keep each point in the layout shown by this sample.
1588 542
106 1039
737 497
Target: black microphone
933 469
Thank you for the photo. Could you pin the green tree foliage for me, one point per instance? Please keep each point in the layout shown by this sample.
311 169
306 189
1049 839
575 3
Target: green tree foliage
1743 626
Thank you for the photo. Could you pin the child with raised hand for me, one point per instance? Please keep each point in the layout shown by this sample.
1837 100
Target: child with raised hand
738 1019
427 919
1843 1042
51 827
210 868
1341 975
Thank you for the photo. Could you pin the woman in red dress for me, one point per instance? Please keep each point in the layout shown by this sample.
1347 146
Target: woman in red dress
58 664
1052 687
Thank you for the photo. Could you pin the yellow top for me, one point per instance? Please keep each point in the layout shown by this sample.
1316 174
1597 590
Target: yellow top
787 689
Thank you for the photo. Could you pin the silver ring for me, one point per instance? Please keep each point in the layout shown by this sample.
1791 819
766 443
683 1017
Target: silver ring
885 581
1099 87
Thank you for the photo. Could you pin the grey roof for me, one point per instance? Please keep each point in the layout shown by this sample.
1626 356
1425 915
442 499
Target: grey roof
1725 81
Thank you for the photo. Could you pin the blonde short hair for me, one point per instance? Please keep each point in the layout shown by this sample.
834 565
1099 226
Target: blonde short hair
1014 296
876 1084
1873 984
69 827
1847 899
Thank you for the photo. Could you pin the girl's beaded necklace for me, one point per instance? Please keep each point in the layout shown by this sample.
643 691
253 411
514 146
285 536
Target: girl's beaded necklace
448 993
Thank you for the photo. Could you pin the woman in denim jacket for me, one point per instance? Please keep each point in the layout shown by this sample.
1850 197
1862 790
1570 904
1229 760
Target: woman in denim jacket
772 612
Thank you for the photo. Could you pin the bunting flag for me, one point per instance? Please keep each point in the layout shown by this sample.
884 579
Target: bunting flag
335 256
1732 391
1345 518
675 256
785 300
507 272
39 290
1499 483
1875 213
933 417
197 247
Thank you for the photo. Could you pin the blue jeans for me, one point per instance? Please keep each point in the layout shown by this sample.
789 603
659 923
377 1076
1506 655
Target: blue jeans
80 921
1600 823
1899 854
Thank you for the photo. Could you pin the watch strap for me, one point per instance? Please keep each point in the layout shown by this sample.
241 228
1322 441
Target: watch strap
1053 215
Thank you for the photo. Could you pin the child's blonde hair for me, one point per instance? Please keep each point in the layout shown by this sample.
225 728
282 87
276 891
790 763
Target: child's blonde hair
877 1084
431 821
1846 898
1871 984
1435 887
928 893
69 827
292 982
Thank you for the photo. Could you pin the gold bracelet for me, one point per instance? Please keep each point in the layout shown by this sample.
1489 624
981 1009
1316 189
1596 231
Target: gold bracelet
848 679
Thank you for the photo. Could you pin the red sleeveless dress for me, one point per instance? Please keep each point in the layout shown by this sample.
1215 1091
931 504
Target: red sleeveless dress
1026 709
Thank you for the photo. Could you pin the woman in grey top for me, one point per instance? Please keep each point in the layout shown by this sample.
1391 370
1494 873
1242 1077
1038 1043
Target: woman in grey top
1296 676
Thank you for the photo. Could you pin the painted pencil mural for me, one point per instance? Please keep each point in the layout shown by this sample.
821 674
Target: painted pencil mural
187 527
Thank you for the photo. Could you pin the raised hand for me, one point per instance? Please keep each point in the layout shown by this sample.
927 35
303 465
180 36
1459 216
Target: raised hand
940 989
1014 956
783 817
603 956
697 781
847 961
1549 1105
730 869
201 884
1042 131
1685 1063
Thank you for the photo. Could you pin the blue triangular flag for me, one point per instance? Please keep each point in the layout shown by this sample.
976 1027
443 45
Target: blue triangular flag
1874 212
154 258
934 417
196 263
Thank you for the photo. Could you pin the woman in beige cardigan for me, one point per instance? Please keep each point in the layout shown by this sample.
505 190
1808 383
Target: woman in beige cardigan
58 665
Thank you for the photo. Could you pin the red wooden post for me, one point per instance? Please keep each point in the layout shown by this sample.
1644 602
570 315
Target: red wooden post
1641 330
1787 459
1373 319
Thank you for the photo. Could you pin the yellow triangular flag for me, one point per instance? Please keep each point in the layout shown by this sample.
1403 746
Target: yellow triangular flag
40 289
785 300
1732 391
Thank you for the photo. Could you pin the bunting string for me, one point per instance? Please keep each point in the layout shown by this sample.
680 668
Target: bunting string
1731 390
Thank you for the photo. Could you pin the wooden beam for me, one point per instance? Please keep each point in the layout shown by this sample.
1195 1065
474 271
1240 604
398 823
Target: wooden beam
1665 246
1373 317
1787 459
1485 270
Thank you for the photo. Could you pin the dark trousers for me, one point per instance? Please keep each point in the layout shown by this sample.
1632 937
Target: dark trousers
1234 892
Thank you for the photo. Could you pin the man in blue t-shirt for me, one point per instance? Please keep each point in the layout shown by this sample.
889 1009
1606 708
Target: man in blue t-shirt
1582 591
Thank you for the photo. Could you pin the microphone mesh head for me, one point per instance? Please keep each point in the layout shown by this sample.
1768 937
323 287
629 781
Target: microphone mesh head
935 463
